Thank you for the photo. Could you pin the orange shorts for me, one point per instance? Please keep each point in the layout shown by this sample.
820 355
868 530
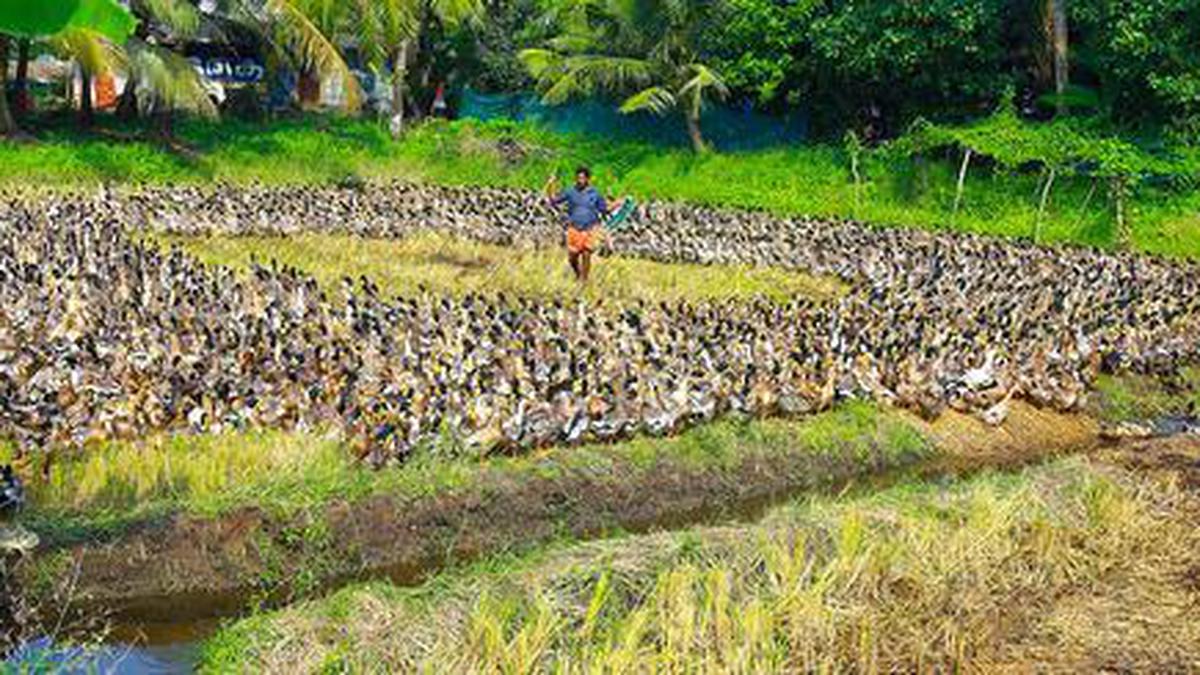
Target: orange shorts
580 241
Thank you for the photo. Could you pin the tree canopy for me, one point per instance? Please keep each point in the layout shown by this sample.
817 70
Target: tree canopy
871 66
649 52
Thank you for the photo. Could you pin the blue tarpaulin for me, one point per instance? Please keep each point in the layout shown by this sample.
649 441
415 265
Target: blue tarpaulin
726 127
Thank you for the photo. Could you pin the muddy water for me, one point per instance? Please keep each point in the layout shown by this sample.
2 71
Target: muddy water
43 656
178 657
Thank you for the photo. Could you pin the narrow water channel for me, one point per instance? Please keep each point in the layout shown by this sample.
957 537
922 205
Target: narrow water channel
158 648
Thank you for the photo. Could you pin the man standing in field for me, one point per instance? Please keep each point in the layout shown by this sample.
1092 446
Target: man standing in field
585 209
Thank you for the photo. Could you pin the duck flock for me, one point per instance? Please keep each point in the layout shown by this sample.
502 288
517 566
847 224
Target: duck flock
105 336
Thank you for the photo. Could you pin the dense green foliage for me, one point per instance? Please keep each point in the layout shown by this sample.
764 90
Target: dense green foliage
901 58
1145 56
871 65
884 63
649 53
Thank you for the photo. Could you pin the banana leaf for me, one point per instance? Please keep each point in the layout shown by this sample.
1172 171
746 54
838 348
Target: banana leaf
39 18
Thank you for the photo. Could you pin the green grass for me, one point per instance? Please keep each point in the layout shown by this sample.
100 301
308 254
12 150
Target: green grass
447 265
810 179
108 488
1135 398
919 577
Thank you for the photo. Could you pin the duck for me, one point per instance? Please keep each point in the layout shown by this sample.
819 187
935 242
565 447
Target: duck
12 492
929 321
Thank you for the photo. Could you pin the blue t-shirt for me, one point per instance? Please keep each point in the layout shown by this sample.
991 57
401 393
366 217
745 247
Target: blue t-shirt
585 206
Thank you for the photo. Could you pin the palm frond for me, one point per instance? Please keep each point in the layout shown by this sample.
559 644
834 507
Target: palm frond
180 16
313 48
167 81
367 29
703 81
326 15
574 43
630 12
540 62
588 74
566 87
658 100
614 73
677 13
455 12
573 16
94 53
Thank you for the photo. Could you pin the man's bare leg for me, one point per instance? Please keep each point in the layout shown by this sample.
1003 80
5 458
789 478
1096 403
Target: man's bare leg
573 258
585 266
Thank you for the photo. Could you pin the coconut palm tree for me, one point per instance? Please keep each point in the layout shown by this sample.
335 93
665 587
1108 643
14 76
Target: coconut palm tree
645 50
161 81
302 33
7 125
387 30
1059 40
95 54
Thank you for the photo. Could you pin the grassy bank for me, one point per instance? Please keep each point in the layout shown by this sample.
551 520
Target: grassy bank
444 264
811 179
110 488
251 532
1000 571
1136 398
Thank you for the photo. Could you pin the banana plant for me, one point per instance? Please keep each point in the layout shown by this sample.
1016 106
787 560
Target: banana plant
78 20
21 18
102 37
95 54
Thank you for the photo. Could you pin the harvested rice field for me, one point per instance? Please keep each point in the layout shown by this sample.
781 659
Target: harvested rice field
457 266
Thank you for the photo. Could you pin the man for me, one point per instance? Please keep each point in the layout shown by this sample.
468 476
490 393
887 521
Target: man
440 108
585 209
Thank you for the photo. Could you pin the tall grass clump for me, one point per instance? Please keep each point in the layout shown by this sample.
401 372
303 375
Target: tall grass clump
201 472
1131 397
918 578
114 484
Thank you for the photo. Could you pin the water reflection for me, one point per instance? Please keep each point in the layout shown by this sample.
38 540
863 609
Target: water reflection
43 656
